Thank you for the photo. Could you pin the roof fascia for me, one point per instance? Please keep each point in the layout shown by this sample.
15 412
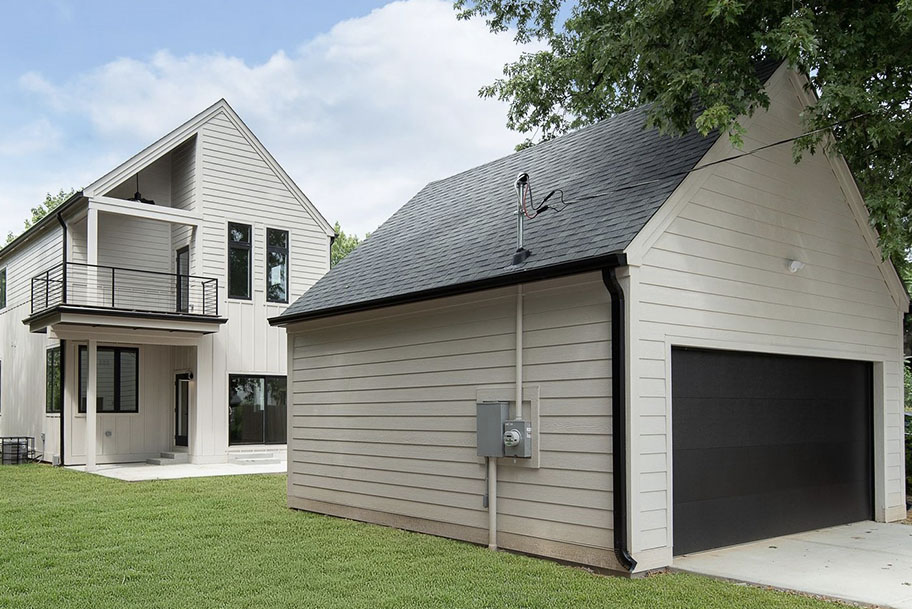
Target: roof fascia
279 171
153 152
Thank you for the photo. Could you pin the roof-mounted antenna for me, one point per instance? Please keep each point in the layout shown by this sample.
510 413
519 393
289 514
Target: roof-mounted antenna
522 180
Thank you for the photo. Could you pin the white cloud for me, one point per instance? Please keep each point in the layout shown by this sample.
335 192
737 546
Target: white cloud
34 137
361 116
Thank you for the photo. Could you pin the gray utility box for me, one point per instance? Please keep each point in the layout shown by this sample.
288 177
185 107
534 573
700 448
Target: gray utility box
489 424
517 439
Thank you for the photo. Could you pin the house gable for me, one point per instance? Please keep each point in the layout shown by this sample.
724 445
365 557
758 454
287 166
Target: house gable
148 157
711 270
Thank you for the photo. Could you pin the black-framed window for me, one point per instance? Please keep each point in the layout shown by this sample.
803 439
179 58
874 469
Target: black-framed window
256 409
240 238
2 288
53 397
117 379
276 265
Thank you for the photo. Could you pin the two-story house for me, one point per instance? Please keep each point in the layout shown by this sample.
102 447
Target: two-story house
133 319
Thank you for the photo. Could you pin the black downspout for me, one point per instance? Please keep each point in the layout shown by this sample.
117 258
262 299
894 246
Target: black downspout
63 343
619 417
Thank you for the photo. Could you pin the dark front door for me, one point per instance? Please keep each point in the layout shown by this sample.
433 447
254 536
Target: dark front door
183 280
767 445
181 409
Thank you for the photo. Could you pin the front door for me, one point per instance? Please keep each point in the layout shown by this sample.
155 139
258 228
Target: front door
181 409
183 280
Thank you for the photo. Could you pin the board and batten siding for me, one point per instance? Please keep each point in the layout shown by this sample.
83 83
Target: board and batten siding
715 275
382 417
23 354
236 184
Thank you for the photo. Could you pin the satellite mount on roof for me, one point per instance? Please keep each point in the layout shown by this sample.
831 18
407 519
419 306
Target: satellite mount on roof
522 180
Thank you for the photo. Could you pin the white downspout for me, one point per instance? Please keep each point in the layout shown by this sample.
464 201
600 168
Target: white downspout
518 414
492 503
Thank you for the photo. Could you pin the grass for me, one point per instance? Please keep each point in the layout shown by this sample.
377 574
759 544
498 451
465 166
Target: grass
68 539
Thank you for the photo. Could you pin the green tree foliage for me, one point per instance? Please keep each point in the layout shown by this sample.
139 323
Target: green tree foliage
693 60
50 203
343 245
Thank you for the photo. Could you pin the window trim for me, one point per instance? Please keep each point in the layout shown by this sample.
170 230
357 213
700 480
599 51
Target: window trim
265 377
3 287
282 250
47 364
81 408
242 245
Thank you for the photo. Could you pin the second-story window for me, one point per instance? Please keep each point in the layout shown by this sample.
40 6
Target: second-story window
276 265
239 239
2 288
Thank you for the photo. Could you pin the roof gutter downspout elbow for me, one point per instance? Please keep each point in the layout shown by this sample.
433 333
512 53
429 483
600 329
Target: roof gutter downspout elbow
619 417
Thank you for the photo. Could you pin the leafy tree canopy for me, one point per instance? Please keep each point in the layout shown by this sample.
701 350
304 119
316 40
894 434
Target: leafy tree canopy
50 203
693 60
343 245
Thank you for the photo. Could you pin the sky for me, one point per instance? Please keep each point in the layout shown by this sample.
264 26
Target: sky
361 102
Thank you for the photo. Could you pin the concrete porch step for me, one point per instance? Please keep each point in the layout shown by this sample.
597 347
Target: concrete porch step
169 458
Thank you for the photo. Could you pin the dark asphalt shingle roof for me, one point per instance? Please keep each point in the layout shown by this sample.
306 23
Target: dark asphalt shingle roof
461 230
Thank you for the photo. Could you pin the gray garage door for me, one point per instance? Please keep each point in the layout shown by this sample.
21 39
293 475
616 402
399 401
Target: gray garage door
767 445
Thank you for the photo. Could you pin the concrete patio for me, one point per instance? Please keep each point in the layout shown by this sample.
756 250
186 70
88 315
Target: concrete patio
135 472
865 562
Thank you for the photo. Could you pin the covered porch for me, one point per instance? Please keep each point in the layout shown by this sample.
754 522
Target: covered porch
130 393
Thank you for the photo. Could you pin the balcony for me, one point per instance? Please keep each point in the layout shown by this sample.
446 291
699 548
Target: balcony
129 295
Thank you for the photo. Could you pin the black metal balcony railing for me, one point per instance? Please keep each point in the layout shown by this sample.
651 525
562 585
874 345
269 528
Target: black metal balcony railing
106 287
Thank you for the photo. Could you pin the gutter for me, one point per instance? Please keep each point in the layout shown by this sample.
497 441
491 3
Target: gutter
595 263
63 225
36 228
619 417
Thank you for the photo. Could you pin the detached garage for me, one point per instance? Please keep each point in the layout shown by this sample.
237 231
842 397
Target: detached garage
694 347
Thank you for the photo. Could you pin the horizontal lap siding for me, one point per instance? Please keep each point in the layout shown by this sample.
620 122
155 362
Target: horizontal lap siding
22 354
183 194
718 273
384 413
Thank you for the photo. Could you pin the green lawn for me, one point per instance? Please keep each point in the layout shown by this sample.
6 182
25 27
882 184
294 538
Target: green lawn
72 540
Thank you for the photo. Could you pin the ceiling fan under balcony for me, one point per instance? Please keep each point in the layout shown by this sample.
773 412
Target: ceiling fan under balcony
138 197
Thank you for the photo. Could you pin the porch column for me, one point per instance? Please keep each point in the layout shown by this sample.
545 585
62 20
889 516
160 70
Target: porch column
91 405
92 290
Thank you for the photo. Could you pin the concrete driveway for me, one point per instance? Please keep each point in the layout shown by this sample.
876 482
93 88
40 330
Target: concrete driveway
865 562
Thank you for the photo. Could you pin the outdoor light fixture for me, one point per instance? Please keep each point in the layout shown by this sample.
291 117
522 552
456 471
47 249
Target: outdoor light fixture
795 265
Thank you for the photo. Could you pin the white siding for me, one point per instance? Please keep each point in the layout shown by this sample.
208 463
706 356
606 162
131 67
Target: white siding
237 185
383 418
22 354
717 276
183 195
124 437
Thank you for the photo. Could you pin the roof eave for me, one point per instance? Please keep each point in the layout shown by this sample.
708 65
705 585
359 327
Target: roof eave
610 260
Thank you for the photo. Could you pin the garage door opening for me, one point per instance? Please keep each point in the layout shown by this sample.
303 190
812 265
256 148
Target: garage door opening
768 445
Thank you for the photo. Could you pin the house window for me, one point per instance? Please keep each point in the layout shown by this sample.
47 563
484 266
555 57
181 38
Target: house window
239 240
256 409
117 384
276 265
53 397
2 288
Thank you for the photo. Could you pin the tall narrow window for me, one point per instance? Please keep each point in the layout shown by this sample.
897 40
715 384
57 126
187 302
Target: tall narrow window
117 379
53 397
276 265
2 288
239 240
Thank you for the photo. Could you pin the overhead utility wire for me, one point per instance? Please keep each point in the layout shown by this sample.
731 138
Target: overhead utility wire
564 204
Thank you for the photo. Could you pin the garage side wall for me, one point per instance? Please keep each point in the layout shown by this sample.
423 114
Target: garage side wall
382 426
716 275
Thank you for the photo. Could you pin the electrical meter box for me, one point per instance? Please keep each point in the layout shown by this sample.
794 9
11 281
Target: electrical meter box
517 439
489 424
